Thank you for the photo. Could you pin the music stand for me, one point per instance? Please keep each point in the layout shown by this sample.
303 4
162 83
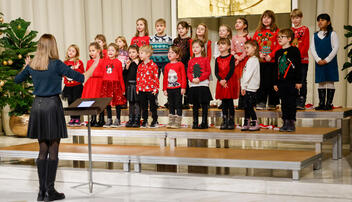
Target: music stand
76 110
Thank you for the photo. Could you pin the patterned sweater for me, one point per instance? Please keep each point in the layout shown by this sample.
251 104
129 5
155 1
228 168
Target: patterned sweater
160 45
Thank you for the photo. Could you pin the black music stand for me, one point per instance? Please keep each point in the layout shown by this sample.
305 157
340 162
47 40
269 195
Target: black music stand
97 107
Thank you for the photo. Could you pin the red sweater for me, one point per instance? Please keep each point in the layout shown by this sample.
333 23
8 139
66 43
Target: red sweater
69 82
207 51
301 41
147 77
105 53
140 40
113 71
174 76
268 43
204 64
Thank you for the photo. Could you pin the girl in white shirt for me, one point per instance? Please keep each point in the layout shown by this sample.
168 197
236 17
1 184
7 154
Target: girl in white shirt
250 82
324 47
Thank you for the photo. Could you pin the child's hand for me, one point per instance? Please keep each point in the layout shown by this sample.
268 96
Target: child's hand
27 60
262 55
123 93
298 85
154 92
196 81
322 62
237 62
137 92
236 56
267 58
276 88
183 91
222 82
76 66
165 92
243 92
233 53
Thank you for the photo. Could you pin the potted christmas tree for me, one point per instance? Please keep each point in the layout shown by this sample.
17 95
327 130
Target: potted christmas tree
348 64
16 42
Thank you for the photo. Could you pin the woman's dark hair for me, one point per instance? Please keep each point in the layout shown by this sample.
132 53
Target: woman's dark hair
325 16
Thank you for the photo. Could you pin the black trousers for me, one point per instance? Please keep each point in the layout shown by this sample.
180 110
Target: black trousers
174 99
118 111
303 90
288 95
228 109
73 93
266 89
249 100
134 110
144 98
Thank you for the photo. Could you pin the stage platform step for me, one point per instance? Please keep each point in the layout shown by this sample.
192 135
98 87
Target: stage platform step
217 157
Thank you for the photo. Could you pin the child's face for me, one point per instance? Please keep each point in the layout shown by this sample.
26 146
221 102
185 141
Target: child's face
120 43
296 21
240 25
283 40
93 52
197 49
100 42
267 21
200 31
250 50
143 55
182 31
160 28
71 52
140 26
172 55
223 33
223 47
112 52
323 24
133 54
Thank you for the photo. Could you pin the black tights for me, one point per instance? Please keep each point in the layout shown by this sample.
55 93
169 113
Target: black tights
118 111
50 147
228 109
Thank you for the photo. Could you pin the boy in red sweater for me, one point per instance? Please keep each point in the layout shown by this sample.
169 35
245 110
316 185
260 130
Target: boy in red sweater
174 86
147 85
301 41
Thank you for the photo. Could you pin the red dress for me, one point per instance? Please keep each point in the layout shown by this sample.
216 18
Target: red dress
92 88
225 70
140 40
69 82
113 85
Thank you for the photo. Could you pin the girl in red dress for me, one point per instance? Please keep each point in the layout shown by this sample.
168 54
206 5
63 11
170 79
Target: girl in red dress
141 38
73 89
101 40
227 86
198 73
92 88
113 84
237 49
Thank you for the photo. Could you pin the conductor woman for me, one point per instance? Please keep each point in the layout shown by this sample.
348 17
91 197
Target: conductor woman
47 121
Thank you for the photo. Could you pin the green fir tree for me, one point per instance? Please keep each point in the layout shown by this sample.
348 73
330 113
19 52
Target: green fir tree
197 71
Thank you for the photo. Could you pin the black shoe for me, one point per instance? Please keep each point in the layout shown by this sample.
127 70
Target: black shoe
322 95
166 105
137 122
51 194
101 121
285 126
41 168
224 124
203 125
231 123
291 126
93 121
154 124
329 99
144 124
186 106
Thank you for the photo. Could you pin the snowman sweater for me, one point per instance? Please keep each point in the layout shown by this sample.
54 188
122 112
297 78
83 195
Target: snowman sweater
147 77
174 76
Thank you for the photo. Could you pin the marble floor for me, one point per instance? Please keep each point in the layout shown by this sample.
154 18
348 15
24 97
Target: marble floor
18 182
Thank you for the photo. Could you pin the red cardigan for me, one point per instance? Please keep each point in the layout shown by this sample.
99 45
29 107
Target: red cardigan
208 51
172 72
70 82
113 71
268 43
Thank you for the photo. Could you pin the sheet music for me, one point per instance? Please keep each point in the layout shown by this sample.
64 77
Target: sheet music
86 104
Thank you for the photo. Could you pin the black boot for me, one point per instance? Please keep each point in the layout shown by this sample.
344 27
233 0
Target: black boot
329 99
224 124
41 168
285 126
204 124
195 118
291 127
322 95
137 122
231 123
93 121
101 121
51 194
130 121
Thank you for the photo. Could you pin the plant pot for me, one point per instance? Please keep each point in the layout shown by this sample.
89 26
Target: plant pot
19 124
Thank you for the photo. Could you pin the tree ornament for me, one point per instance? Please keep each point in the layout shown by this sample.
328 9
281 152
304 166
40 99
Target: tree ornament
2 83
19 56
4 62
19 27
1 19
10 62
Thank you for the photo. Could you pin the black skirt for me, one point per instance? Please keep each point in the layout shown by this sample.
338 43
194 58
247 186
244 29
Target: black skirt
131 93
47 121
200 95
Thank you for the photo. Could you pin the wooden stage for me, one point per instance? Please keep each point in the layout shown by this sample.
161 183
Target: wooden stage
251 158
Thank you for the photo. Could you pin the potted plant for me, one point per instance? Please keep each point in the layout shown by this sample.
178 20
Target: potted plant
16 42
348 64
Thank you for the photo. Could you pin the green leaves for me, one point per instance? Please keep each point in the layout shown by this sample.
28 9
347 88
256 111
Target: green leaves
348 64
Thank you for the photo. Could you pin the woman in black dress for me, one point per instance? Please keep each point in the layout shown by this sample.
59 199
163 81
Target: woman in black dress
47 121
